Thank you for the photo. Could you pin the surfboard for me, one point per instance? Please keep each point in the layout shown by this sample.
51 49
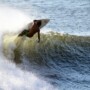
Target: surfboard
43 23
25 30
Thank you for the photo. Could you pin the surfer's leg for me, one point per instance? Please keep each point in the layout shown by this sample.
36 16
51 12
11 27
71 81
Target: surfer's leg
24 32
28 35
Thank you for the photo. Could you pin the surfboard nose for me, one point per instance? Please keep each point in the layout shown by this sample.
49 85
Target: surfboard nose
46 20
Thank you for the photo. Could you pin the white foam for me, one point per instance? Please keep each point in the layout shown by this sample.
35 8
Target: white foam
12 78
12 20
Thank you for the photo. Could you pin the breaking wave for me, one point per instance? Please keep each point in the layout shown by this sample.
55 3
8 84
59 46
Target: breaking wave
53 49
53 46
55 54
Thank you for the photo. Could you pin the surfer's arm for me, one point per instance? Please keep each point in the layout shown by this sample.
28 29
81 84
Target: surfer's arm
39 36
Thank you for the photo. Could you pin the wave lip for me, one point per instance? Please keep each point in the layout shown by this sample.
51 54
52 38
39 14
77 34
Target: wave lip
67 56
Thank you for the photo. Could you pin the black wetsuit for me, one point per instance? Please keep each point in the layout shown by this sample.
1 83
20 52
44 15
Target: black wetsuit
24 32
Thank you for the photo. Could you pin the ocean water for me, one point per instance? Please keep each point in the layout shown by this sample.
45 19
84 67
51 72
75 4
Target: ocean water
61 61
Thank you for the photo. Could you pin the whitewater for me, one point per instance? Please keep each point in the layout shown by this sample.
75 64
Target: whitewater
61 61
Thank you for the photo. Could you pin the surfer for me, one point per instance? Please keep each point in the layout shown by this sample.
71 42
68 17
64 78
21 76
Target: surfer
35 28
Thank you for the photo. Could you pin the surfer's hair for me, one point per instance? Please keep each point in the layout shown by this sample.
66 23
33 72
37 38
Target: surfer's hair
38 22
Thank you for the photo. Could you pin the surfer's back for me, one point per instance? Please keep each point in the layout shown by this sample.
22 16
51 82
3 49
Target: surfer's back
34 29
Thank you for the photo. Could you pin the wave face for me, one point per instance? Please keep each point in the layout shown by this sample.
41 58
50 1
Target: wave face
57 58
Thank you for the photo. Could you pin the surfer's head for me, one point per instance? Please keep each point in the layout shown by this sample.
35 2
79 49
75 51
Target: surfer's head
38 22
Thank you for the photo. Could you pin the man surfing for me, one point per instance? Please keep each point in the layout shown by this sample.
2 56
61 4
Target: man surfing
34 28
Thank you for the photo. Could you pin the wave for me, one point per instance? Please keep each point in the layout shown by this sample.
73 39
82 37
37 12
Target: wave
53 47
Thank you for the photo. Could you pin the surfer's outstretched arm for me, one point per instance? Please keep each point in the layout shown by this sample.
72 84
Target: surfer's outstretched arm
39 36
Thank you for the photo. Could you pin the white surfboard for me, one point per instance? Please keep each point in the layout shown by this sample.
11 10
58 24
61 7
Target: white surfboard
43 23
25 30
